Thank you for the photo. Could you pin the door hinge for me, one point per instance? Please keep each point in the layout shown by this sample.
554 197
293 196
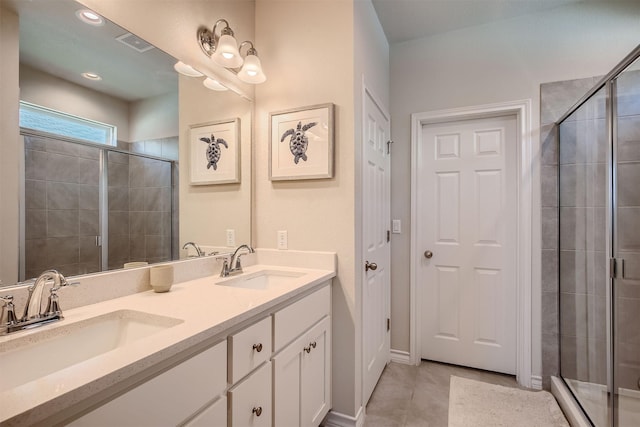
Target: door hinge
98 240
388 235
388 324
616 268
389 142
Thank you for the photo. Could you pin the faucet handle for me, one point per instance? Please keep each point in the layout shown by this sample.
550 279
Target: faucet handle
10 309
224 272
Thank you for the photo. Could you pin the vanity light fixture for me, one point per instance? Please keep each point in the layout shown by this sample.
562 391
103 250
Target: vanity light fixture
186 70
224 51
92 76
213 84
251 71
89 17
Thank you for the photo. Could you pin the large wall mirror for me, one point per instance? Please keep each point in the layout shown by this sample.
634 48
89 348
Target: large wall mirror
106 125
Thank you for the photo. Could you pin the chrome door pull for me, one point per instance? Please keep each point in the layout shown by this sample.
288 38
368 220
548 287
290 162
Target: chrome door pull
370 266
428 254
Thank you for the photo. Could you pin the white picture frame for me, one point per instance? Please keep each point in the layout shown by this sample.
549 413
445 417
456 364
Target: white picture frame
301 143
221 164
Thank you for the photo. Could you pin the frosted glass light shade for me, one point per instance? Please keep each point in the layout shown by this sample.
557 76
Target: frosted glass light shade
251 71
212 84
186 70
227 54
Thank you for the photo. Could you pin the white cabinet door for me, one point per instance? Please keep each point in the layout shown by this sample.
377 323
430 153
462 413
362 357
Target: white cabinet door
302 378
167 399
316 374
213 416
287 366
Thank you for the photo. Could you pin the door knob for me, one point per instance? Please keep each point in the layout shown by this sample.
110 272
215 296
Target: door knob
370 266
428 254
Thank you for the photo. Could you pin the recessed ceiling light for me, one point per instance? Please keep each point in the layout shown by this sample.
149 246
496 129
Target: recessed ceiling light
89 17
91 76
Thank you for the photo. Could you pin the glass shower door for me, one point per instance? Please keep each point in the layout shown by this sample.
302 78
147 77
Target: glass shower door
626 245
583 183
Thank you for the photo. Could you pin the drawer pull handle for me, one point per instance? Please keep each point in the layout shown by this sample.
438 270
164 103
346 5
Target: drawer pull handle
258 348
257 411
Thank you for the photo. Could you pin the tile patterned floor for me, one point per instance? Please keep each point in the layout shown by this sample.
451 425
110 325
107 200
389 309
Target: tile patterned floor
419 395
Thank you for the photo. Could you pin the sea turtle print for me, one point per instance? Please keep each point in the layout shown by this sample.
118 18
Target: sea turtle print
213 150
299 142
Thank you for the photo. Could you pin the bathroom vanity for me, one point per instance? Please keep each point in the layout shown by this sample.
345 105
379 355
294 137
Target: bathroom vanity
252 349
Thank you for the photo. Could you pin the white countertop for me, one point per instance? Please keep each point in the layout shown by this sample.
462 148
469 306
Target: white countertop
207 311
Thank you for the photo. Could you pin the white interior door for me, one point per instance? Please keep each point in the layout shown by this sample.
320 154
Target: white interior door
376 223
467 216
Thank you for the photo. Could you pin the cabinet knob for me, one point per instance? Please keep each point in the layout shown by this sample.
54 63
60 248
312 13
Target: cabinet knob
257 347
313 344
370 266
308 349
257 411
428 254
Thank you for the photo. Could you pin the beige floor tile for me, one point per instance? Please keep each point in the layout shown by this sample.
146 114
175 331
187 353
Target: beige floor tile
412 396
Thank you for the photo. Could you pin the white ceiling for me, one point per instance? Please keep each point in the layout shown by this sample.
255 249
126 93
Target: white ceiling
53 40
411 19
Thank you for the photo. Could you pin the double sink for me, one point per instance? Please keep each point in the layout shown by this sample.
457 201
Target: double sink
29 356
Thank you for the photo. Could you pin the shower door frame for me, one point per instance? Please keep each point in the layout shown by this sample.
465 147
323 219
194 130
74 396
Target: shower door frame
103 202
608 82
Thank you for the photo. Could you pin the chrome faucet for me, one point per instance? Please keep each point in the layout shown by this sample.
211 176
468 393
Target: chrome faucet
199 251
234 266
33 314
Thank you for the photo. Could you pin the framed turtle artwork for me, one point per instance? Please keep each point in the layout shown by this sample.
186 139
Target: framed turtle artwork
301 143
215 152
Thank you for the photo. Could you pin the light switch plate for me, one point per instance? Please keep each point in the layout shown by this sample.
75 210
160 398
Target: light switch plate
231 237
396 226
282 239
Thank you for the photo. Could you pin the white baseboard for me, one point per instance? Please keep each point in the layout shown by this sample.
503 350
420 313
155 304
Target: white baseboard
399 356
536 382
336 419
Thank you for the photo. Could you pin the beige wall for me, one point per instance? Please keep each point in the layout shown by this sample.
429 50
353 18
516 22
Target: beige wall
10 146
307 48
207 211
52 92
507 61
154 118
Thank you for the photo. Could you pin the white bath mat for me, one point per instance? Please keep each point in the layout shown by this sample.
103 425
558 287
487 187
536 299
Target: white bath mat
478 404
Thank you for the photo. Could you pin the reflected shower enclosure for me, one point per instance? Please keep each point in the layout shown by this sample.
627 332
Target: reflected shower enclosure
599 248
90 208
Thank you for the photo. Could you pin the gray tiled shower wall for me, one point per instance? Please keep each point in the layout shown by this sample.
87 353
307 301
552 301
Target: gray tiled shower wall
581 249
62 216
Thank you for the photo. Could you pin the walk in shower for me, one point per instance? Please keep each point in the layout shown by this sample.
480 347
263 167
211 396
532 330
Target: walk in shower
599 248
90 207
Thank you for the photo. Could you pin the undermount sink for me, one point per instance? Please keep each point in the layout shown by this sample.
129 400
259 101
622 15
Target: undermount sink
32 356
265 279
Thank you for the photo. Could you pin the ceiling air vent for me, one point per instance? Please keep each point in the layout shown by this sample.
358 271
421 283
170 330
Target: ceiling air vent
134 42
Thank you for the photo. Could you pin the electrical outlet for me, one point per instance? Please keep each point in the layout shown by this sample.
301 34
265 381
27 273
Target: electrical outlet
231 238
396 226
282 239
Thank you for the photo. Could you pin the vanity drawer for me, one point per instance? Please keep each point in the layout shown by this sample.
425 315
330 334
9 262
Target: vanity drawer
248 349
169 398
250 401
292 321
